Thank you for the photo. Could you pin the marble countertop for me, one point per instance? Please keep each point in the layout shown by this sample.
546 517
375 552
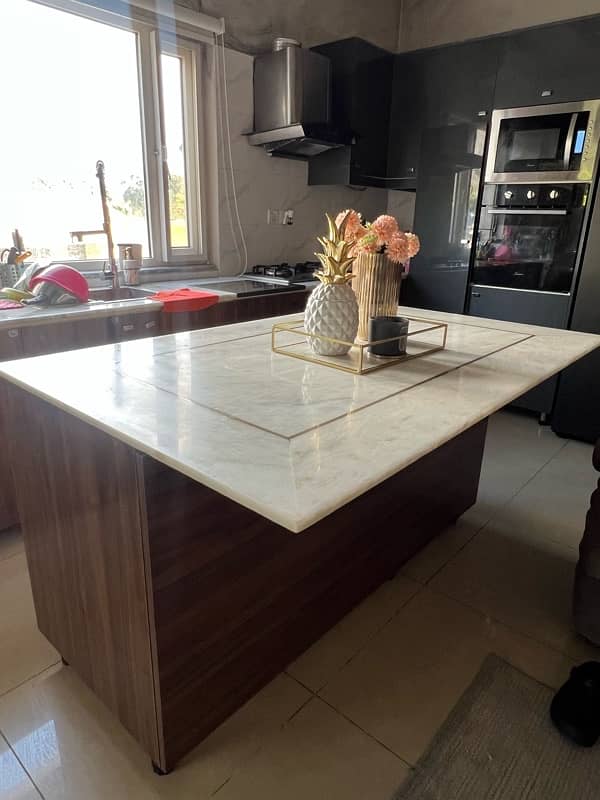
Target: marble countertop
292 440
39 315
42 315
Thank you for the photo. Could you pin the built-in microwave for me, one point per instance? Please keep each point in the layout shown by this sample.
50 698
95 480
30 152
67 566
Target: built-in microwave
555 143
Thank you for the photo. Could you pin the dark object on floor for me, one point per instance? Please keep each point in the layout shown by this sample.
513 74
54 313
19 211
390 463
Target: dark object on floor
586 595
498 742
575 709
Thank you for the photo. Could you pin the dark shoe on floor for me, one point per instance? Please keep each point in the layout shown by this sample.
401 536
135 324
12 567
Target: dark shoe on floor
575 709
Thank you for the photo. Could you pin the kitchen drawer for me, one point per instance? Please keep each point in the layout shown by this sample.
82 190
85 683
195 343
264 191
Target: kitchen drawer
11 344
57 337
134 326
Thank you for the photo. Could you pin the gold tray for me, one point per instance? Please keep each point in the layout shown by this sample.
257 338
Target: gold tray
292 339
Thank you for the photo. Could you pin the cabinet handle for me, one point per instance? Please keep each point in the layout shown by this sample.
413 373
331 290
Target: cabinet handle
127 328
475 294
149 325
13 333
482 113
547 92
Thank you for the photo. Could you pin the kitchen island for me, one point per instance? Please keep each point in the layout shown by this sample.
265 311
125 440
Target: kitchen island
197 510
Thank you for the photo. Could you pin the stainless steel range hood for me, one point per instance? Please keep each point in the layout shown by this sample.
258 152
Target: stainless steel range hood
292 102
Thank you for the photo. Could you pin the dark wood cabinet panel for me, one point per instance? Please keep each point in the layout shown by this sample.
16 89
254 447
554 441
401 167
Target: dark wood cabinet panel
125 327
57 337
560 59
11 344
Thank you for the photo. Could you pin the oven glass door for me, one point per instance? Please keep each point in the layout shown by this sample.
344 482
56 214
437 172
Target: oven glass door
528 248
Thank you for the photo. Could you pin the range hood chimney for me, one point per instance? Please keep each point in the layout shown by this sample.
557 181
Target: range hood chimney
292 102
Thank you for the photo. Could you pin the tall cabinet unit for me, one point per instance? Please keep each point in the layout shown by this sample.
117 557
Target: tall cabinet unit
361 84
577 410
456 95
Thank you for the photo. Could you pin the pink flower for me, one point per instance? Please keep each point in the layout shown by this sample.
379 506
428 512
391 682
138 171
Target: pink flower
354 227
385 226
414 245
398 248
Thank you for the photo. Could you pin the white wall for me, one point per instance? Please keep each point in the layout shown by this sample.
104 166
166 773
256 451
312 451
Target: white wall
263 182
425 23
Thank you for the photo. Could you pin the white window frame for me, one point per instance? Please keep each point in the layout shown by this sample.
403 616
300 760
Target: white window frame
196 86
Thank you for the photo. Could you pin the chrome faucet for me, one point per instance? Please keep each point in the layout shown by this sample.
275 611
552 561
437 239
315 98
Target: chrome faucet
111 268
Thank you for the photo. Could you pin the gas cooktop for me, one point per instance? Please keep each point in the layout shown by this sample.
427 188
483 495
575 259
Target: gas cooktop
246 287
292 273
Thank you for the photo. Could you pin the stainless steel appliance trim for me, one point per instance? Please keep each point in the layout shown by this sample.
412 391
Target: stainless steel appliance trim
277 135
569 142
557 212
516 289
584 174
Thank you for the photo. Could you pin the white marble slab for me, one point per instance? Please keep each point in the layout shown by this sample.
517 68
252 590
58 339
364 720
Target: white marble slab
291 440
39 315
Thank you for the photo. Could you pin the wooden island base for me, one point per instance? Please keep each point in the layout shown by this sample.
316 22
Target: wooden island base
175 604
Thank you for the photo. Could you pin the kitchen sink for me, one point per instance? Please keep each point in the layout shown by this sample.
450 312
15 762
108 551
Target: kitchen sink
122 293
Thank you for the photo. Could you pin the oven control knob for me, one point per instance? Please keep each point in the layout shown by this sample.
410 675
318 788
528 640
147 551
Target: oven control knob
530 194
554 194
508 194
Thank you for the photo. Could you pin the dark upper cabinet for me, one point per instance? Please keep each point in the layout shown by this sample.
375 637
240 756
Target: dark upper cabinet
434 88
406 120
361 93
457 89
552 64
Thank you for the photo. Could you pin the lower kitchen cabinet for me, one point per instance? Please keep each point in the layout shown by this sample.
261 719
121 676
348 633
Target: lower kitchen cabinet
56 337
11 344
533 308
244 309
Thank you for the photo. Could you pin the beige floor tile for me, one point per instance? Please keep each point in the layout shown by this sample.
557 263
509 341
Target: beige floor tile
320 663
516 448
553 505
526 584
11 543
73 748
402 686
24 651
320 756
439 551
14 782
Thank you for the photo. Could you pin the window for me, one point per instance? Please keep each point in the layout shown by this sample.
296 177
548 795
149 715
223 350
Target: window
101 88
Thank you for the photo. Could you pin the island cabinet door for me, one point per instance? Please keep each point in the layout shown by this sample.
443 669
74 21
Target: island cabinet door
83 536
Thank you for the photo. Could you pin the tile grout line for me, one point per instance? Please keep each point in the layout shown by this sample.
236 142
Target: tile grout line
30 678
366 733
260 747
495 513
23 767
508 626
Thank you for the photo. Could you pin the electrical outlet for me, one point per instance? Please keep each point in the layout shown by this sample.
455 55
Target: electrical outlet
274 216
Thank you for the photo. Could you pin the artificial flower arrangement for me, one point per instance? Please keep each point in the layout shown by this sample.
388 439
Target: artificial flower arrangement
383 236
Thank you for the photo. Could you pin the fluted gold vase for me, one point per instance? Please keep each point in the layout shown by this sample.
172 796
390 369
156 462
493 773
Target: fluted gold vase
377 286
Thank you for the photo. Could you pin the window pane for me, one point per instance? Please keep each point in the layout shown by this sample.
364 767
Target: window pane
73 100
171 67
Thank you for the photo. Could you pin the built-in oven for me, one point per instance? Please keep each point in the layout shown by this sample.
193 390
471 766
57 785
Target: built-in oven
555 143
529 235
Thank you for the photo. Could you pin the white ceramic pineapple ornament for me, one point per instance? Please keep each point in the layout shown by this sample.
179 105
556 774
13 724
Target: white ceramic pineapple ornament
332 310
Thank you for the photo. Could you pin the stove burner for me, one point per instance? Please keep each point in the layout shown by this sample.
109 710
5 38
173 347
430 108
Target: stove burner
302 271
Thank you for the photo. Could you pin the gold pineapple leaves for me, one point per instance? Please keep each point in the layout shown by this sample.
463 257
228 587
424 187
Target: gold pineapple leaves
336 259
